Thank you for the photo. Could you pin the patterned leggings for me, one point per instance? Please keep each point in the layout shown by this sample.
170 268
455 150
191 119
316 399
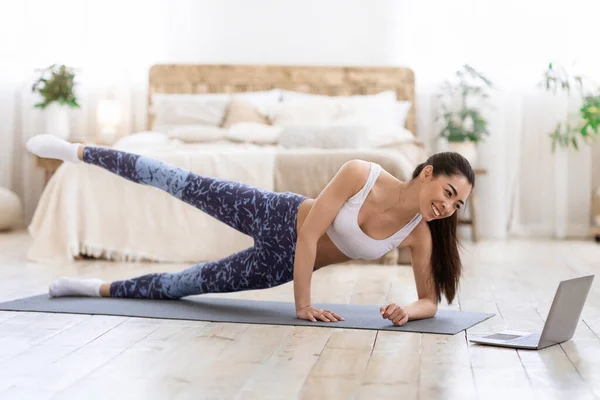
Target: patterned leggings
268 217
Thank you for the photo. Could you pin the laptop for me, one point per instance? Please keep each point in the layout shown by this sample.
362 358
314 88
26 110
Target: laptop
561 322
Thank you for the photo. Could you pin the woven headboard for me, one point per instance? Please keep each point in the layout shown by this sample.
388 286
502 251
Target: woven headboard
328 80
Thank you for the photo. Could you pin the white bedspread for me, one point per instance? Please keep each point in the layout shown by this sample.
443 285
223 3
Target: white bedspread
88 210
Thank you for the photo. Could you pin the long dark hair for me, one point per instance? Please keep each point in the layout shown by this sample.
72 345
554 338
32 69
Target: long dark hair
445 258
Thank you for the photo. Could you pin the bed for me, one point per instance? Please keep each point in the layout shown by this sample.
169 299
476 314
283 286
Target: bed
86 211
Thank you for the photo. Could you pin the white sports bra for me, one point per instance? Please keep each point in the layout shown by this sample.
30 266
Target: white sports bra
347 235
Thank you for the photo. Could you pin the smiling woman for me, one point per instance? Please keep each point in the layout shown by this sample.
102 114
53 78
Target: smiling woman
362 213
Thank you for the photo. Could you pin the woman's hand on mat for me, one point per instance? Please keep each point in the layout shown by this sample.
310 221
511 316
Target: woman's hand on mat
313 314
394 313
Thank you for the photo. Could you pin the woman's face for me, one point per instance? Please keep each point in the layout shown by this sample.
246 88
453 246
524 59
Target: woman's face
443 195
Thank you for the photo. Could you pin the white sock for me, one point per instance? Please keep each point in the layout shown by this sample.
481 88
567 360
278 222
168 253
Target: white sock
50 146
75 287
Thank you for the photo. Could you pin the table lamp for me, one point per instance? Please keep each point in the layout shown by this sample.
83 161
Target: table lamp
108 117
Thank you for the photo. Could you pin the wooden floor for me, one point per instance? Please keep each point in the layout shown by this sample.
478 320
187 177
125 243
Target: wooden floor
62 356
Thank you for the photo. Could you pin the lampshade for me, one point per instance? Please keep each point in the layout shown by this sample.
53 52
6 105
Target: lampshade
108 113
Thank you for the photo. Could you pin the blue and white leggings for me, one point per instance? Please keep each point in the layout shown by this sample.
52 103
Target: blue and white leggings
268 217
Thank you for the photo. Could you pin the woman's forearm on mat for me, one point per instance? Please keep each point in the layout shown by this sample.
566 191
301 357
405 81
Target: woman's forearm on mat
303 268
423 308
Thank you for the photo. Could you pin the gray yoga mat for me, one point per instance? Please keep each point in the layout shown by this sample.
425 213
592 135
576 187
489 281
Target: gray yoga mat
214 309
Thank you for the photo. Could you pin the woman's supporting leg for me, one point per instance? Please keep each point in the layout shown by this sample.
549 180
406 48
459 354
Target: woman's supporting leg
270 262
245 270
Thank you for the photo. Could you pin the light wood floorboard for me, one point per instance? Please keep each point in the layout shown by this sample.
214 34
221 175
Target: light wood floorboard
62 356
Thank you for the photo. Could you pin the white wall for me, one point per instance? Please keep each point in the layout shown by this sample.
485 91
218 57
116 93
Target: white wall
116 41
342 32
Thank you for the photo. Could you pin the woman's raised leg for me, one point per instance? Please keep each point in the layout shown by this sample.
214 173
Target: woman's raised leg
241 206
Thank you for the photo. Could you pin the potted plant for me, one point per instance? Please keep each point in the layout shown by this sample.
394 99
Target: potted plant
581 126
56 87
461 111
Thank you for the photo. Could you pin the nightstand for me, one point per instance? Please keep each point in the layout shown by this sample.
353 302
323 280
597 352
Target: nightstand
49 165
472 204
596 233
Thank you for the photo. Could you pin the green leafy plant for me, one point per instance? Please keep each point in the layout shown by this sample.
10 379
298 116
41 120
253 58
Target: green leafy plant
583 125
461 106
56 84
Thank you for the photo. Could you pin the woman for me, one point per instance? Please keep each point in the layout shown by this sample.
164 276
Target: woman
361 214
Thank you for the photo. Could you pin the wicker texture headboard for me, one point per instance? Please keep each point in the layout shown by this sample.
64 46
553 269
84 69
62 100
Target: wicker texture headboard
327 80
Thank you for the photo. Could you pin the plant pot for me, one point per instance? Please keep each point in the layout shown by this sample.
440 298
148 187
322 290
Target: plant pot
467 149
57 120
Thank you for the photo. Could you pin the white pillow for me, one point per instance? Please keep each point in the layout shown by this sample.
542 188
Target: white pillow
383 116
386 135
389 95
313 111
192 133
402 109
379 130
334 136
142 139
189 109
382 106
253 132
290 95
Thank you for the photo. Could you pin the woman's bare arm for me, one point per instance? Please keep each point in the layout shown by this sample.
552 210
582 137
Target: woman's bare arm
344 185
420 244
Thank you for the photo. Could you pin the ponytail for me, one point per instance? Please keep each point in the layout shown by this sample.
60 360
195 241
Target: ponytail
445 258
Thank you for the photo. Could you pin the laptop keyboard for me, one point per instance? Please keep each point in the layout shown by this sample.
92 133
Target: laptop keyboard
530 340
503 336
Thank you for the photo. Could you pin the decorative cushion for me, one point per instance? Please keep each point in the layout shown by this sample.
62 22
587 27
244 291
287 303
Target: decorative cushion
261 100
10 209
243 111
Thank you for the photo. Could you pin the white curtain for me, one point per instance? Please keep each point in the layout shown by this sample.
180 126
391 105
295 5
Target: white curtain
110 43
512 43
114 43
